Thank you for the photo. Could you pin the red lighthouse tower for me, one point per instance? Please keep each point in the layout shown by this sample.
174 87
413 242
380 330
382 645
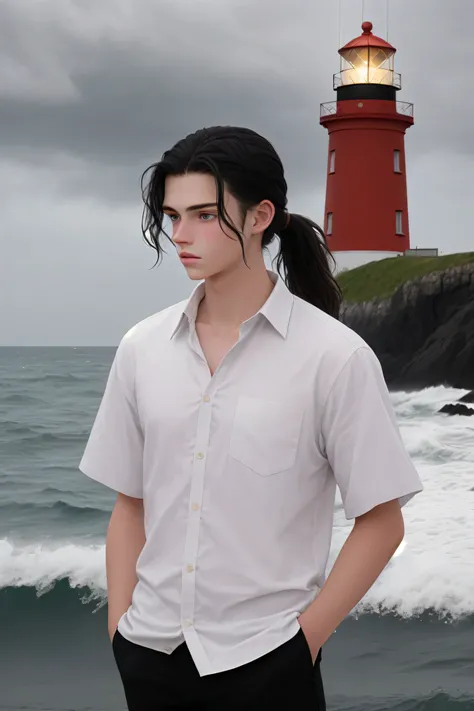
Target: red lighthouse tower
366 215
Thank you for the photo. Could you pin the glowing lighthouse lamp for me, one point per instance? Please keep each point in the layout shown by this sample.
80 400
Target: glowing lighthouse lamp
366 62
366 211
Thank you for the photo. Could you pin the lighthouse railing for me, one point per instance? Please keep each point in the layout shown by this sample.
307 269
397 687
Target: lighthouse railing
368 76
405 108
328 109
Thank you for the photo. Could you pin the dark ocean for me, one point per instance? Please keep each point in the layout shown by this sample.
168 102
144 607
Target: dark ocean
409 646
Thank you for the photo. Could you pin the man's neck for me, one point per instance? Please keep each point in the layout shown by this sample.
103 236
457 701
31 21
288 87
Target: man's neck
231 299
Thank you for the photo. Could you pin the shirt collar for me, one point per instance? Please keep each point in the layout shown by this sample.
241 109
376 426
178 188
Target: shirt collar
277 308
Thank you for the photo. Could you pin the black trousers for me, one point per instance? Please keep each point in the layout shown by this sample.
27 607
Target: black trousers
282 679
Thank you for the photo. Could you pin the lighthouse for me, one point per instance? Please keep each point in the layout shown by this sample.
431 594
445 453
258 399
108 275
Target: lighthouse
366 210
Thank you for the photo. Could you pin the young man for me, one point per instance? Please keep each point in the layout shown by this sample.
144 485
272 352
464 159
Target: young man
227 422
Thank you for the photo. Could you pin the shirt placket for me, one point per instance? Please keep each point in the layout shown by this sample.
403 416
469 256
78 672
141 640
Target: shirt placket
190 563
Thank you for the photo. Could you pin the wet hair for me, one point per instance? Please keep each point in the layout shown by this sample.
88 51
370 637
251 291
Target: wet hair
247 165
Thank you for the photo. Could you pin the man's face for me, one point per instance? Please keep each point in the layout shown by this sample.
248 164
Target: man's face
198 231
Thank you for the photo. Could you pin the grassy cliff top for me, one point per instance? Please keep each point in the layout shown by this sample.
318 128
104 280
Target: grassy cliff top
380 279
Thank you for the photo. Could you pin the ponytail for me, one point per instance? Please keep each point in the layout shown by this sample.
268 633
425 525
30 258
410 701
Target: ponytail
306 259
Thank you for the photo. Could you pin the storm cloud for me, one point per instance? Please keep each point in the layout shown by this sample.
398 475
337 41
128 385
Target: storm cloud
92 93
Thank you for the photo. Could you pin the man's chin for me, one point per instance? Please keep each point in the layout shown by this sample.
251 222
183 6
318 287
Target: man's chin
197 272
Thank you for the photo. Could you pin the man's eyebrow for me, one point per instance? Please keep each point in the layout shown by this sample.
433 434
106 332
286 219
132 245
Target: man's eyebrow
191 208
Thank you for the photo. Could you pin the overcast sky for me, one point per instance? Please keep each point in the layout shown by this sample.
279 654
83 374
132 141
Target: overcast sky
91 93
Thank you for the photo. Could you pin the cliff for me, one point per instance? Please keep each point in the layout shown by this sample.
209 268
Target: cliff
423 333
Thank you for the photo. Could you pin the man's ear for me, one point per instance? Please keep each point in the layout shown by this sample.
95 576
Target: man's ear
264 213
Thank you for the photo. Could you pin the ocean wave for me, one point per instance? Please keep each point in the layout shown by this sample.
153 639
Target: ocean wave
21 399
50 378
432 568
27 436
42 566
12 426
53 489
410 586
56 468
425 402
436 701
58 506
432 437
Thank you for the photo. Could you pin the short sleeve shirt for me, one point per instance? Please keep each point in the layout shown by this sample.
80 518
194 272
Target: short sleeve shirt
238 471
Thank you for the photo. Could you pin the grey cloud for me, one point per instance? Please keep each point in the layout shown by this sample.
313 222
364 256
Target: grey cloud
92 92
132 89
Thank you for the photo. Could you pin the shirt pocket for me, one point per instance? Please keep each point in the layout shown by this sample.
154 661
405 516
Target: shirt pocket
265 434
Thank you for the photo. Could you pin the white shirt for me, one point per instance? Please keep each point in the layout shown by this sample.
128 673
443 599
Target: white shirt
238 471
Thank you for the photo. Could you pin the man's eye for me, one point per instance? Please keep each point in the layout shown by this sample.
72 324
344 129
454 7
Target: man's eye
206 214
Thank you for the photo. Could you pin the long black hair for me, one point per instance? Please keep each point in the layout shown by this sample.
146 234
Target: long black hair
248 165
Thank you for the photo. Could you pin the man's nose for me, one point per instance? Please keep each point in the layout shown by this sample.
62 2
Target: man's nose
180 233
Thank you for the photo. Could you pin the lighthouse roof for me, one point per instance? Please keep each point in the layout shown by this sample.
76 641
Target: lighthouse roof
367 39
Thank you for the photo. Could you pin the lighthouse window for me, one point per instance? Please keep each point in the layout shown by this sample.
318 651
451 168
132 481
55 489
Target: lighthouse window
329 227
399 222
396 161
332 162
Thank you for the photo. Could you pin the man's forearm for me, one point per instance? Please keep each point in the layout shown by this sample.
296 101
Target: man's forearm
371 544
124 543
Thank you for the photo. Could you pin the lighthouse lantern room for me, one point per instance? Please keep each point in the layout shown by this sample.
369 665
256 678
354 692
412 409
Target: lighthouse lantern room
366 211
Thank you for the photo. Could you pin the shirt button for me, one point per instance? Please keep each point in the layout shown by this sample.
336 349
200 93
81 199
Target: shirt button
190 568
206 398
195 507
200 455
188 623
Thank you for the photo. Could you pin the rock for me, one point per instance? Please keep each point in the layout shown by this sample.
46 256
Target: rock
457 409
423 334
469 397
